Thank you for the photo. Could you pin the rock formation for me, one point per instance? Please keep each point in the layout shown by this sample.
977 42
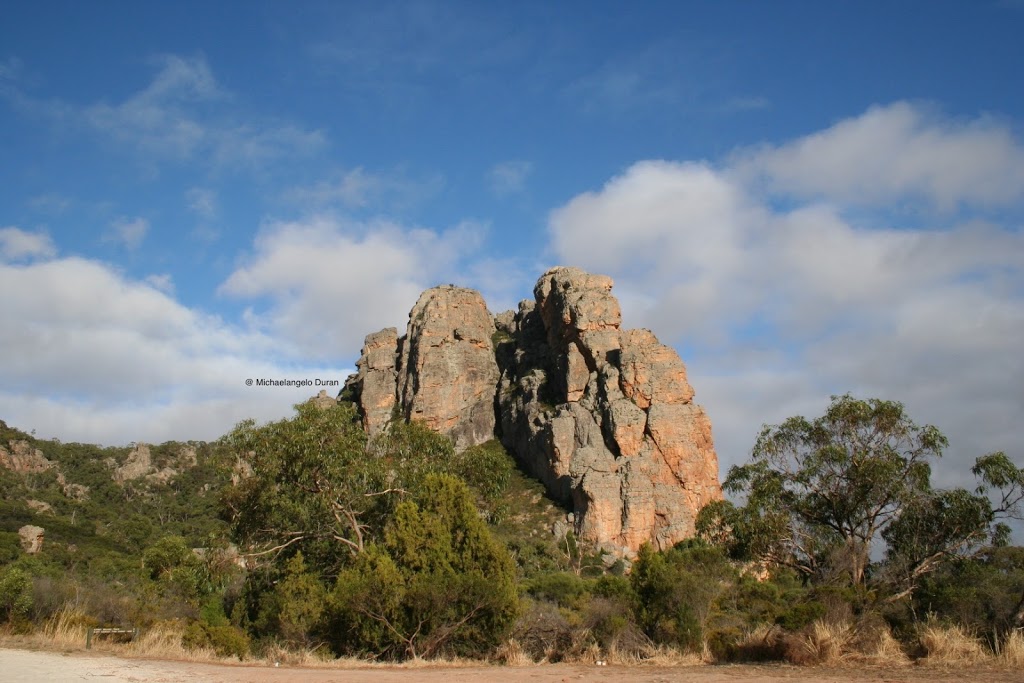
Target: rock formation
441 372
603 416
31 538
20 457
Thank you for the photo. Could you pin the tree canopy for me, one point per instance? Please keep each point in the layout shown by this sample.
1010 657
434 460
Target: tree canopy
820 494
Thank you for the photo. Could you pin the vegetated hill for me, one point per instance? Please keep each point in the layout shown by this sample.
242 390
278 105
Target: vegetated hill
101 507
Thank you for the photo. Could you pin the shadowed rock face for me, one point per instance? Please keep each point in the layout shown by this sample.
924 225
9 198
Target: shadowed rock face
603 416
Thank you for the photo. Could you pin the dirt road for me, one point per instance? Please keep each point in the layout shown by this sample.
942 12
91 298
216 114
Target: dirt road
24 666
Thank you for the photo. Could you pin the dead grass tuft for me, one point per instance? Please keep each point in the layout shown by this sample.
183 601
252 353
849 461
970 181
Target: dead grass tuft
163 641
950 645
663 655
1011 651
762 643
825 642
511 653
67 628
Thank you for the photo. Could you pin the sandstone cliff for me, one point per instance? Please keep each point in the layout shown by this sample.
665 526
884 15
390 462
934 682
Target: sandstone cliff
442 371
603 416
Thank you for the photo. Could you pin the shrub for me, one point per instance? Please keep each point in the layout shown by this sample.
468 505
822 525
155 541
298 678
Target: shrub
16 598
226 641
439 584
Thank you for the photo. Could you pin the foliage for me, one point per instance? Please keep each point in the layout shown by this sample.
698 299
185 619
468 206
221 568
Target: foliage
225 640
821 493
16 597
984 593
317 485
308 487
294 609
439 582
677 590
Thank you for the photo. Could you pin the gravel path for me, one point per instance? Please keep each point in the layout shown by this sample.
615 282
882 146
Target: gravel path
32 666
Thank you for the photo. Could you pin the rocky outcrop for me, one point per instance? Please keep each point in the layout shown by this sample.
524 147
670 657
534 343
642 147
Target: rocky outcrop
140 465
603 416
21 458
31 538
441 372
377 380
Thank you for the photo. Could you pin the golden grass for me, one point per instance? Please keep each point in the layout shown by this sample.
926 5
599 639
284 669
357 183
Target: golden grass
887 651
663 655
1011 650
825 642
511 653
950 645
67 628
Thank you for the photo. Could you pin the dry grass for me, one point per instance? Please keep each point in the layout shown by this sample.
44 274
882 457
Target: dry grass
1011 651
825 642
763 643
662 655
163 641
646 655
887 651
950 645
511 653
67 628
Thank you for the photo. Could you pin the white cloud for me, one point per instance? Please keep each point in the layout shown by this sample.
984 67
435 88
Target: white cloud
51 203
897 151
181 115
202 202
162 281
129 233
93 356
330 282
395 190
509 177
17 244
777 308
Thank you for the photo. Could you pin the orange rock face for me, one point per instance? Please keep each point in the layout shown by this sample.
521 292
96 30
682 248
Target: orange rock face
441 372
603 416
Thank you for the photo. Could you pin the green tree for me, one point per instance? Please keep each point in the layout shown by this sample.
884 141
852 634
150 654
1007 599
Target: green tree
16 598
310 484
676 590
821 493
295 608
439 582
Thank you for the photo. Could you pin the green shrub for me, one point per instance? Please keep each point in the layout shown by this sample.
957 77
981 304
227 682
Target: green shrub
439 584
16 598
226 641
562 588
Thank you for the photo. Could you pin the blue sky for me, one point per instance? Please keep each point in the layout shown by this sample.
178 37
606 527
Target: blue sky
803 198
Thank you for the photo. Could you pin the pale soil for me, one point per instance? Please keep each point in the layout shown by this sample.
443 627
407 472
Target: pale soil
26 666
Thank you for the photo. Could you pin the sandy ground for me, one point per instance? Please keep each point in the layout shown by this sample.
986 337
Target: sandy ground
25 666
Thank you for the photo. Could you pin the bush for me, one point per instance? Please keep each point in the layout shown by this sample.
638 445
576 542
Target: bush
16 597
543 632
294 609
562 588
226 641
439 584
677 590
